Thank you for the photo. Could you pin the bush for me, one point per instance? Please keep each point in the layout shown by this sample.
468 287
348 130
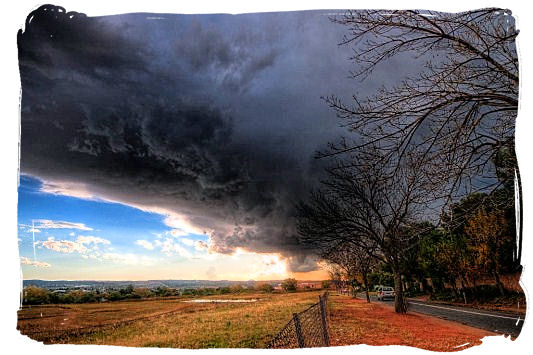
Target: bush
289 285
236 288
162 291
127 291
141 292
35 295
444 295
264 287
224 290
484 293
78 296
116 296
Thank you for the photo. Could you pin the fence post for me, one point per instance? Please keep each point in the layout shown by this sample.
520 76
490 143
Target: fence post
323 317
298 327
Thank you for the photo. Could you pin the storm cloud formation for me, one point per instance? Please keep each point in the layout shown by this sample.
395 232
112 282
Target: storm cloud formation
212 118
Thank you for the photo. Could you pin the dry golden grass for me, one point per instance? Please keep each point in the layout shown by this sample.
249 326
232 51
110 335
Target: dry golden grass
174 323
167 323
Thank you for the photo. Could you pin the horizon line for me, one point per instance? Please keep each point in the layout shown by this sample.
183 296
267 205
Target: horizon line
219 280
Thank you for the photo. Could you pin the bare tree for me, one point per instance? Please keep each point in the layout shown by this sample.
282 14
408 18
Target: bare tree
368 203
336 275
353 260
459 110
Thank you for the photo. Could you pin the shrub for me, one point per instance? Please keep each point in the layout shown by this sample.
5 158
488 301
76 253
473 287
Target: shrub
289 285
116 296
264 287
236 288
35 295
141 292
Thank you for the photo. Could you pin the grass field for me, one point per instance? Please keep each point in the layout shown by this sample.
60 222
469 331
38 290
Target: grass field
166 322
175 323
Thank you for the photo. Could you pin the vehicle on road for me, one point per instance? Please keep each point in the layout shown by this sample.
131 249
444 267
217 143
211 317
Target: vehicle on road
385 292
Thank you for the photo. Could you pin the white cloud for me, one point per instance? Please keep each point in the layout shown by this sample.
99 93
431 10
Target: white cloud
180 223
26 261
145 244
87 246
49 224
128 259
63 246
170 248
89 239
65 188
188 242
177 233
200 245
28 228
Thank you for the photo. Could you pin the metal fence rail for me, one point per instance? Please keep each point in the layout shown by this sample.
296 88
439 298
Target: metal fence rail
306 329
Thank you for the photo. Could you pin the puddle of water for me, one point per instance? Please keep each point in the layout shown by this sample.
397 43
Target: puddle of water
213 300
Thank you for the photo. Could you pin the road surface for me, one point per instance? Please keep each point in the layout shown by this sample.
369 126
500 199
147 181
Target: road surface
498 322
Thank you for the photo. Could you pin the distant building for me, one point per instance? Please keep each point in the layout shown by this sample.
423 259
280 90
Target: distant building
309 285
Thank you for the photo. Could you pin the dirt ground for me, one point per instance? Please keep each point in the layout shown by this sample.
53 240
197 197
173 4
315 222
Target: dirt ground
354 321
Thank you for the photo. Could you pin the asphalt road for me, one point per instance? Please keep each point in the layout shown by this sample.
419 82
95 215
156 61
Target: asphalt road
498 322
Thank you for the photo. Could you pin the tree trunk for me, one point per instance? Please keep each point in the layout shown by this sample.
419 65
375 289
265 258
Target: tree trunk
400 303
454 288
474 288
463 288
366 288
498 282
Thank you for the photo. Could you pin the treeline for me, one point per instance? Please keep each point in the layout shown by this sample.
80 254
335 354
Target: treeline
33 295
36 295
462 259
476 241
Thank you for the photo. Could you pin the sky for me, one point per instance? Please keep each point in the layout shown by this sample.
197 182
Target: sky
158 146
19 9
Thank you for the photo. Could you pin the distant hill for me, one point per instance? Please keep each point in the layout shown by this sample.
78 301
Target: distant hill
100 285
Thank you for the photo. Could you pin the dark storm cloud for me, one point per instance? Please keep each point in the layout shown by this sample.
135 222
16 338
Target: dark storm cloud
234 59
213 117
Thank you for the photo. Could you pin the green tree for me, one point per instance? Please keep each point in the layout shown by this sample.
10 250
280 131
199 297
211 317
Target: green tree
141 292
264 287
35 295
487 236
126 291
289 285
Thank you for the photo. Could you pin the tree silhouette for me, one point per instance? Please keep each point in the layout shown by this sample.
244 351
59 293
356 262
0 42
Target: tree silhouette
459 110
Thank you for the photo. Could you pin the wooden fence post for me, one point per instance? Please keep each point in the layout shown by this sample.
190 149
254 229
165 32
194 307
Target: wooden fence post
298 327
323 317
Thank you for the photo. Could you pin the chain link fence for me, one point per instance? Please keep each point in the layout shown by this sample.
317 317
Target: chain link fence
306 329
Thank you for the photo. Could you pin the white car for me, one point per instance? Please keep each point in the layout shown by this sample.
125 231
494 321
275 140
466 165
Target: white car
385 292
